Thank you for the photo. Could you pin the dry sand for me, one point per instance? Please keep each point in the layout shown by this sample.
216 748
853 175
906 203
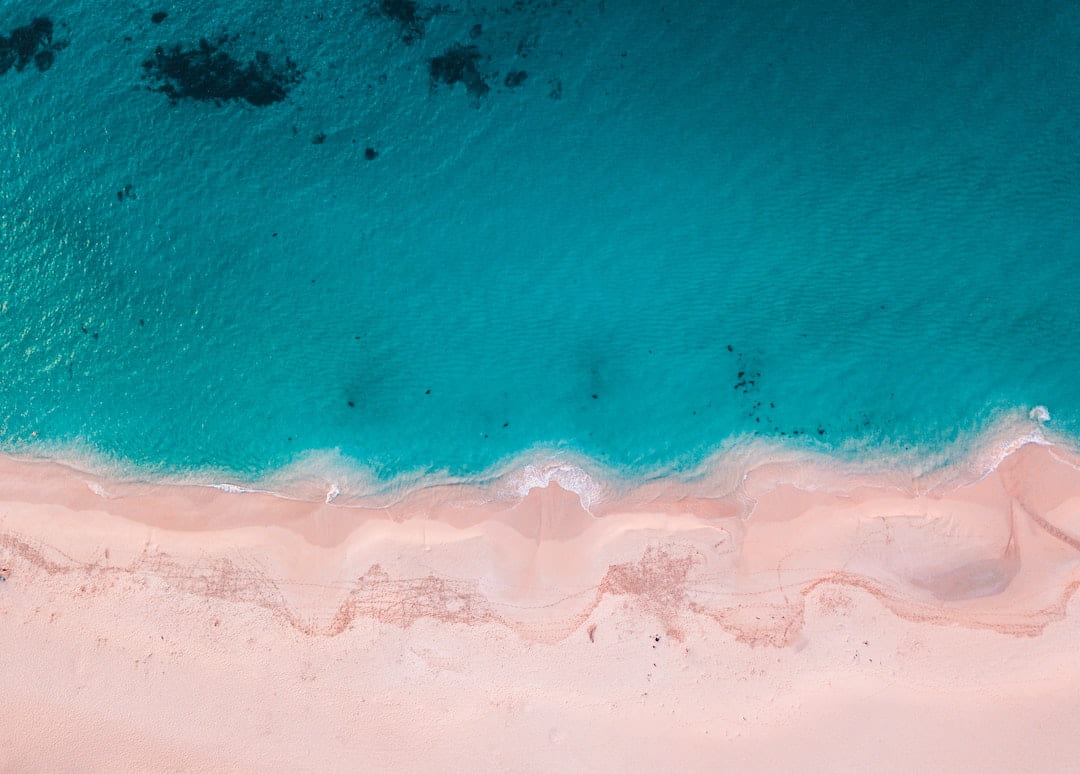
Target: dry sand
806 620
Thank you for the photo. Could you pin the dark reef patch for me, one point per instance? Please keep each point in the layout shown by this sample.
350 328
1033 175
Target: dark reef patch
459 65
206 73
408 16
370 154
158 17
30 43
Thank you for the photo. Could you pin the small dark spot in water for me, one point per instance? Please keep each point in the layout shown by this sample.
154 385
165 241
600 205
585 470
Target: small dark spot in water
158 17
740 374
351 404
142 322
318 139
476 31
595 396
43 60
427 392
370 154
274 234
96 334
290 438
82 328
772 405
526 45
515 78
729 349
506 424
821 431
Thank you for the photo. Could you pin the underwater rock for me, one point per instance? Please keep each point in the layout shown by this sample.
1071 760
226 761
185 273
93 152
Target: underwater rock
206 73
458 65
158 17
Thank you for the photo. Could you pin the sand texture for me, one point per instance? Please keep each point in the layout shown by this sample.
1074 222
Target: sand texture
804 620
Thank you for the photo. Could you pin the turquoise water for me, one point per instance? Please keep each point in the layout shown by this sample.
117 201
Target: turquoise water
866 209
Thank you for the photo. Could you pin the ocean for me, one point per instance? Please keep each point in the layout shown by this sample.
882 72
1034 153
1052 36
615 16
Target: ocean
423 240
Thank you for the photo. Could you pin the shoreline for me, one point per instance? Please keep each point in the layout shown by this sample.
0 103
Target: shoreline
138 614
326 475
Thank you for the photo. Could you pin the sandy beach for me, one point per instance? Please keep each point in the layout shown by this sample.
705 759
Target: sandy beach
807 619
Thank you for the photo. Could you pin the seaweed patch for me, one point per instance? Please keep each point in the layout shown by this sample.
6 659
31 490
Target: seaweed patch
207 73
30 43
459 65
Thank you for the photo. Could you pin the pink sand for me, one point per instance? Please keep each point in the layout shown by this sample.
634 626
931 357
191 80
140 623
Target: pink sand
806 620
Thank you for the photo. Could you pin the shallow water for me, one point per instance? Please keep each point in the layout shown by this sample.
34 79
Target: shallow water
844 225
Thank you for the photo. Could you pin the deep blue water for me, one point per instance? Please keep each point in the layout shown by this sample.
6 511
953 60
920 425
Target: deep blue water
832 222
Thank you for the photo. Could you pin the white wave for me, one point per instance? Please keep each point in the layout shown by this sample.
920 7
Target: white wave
328 475
569 477
232 488
98 489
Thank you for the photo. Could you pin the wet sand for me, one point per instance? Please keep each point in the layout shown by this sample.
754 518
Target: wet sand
802 618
